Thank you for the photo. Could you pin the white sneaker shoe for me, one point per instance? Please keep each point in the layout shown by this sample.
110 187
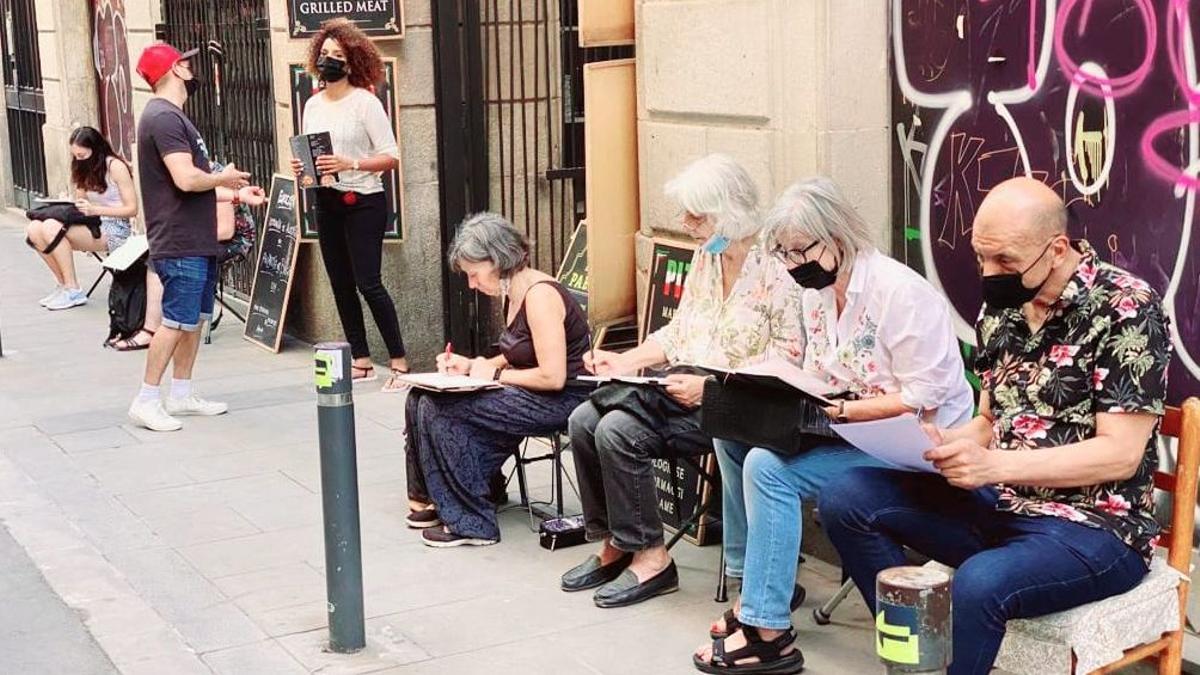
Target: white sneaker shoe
50 298
150 414
70 297
194 405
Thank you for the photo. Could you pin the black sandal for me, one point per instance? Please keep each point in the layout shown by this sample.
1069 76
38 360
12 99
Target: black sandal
128 345
731 621
368 374
771 659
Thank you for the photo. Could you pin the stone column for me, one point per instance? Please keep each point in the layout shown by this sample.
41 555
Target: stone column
69 81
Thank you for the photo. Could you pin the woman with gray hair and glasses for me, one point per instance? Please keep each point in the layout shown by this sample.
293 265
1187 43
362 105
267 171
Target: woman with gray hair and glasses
457 442
738 307
873 328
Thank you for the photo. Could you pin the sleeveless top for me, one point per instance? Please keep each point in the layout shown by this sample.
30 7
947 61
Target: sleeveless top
516 342
111 195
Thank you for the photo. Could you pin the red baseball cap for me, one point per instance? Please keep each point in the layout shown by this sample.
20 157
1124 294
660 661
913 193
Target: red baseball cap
157 59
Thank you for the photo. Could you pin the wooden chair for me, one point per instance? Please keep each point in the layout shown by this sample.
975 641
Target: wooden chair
1184 424
1035 645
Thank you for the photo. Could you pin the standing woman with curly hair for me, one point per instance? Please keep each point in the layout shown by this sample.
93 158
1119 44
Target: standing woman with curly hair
352 213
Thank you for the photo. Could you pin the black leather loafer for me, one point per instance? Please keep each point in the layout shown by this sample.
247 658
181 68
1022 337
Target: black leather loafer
590 573
625 589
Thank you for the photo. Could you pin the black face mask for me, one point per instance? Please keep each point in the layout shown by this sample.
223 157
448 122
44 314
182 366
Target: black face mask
331 70
192 85
812 275
1007 291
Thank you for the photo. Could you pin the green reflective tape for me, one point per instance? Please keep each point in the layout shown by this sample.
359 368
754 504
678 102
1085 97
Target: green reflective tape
323 369
896 643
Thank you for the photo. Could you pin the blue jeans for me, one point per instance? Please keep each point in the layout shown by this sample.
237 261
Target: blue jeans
1009 566
761 496
189 290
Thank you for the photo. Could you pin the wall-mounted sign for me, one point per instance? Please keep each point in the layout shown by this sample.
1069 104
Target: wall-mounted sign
376 18
304 87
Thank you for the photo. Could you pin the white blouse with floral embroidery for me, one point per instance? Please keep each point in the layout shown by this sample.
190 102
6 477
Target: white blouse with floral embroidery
759 320
894 335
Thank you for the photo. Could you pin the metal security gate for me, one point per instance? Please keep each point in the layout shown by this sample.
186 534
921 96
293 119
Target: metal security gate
234 109
510 131
24 103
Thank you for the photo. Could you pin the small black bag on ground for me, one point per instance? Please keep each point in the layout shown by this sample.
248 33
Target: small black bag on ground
127 301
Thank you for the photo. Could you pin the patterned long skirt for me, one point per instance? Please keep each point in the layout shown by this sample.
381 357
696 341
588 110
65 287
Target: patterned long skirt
456 442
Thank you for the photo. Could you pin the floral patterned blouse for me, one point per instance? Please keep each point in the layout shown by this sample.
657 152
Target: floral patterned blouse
1103 349
759 320
893 335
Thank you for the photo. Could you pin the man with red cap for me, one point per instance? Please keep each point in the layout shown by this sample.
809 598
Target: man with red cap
180 201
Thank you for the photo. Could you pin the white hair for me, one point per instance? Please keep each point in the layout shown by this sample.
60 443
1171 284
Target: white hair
718 187
815 208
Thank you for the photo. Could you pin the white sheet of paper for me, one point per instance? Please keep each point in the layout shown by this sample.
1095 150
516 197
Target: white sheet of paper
899 441
127 253
448 382
626 379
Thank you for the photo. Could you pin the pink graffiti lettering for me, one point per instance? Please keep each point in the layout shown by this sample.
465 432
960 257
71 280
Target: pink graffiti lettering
1095 84
1177 22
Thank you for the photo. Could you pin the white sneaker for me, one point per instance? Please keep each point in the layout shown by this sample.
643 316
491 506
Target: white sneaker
150 414
70 297
53 294
194 405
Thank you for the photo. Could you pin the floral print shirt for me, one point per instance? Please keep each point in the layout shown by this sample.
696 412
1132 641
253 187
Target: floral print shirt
1104 348
894 335
759 320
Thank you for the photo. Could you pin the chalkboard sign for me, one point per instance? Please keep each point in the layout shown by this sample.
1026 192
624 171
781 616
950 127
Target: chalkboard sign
668 270
573 273
276 262
377 18
679 491
304 87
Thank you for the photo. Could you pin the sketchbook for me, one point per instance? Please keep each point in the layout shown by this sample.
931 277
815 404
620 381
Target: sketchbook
447 383
779 374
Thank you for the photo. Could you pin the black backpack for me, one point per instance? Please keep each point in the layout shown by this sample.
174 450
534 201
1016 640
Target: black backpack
127 301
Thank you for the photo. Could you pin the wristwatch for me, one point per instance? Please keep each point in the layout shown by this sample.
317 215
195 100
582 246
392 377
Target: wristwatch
496 375
841 413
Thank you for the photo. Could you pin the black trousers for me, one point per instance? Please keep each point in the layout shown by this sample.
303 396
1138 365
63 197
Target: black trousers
351 239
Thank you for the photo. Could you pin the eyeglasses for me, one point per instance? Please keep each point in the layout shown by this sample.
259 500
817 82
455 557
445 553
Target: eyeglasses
795 256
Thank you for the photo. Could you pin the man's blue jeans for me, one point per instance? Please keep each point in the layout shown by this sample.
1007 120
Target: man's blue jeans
762 493
1009 566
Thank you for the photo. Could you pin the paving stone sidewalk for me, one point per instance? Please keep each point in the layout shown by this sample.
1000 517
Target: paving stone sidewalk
201 551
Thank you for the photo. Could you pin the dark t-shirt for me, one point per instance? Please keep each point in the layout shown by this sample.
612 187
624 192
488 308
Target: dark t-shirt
178 224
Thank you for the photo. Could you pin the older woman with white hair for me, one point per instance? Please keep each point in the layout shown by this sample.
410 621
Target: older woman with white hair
738 307
874 328
457 442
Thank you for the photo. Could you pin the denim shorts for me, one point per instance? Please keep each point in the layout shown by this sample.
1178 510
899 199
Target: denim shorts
189 289
117 229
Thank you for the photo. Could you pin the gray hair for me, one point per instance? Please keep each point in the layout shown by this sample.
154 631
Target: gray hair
489 237
816 209
719 187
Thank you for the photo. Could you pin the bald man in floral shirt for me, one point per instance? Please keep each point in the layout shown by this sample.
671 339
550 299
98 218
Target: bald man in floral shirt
1044 501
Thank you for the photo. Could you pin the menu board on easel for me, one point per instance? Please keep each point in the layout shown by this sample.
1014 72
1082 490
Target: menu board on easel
276 263
573 272
669 268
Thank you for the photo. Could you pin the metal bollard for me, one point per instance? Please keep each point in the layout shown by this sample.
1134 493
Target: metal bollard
913 619
339 497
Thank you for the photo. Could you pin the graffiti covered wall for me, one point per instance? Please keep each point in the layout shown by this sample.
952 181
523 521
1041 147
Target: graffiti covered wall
110 53
1099 100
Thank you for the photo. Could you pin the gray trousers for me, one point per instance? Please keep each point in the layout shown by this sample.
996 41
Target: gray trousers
613 463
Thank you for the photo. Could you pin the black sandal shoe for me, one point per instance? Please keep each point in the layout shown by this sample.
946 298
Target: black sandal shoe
771 659
128 344
731 621
368 374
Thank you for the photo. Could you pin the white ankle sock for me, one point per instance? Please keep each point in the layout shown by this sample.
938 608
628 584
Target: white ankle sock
180 388
149 392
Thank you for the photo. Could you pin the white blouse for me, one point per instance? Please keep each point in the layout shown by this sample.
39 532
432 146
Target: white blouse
894 335
359 128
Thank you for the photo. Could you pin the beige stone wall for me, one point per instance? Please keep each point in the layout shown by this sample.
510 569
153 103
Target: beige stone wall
69 82
790 88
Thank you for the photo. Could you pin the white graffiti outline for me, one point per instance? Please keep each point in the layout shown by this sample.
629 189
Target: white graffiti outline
1169 297
1000 100
954 103
1110 124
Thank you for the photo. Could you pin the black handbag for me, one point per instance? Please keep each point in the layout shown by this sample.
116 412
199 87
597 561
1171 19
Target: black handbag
781 420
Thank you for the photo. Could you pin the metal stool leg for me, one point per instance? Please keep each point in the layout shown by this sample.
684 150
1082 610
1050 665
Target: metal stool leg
722 583
556 448
824 613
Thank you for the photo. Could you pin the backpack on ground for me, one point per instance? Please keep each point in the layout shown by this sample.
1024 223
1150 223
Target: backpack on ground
127 301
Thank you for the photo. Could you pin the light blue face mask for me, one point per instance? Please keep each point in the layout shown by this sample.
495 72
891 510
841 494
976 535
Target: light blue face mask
716 244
